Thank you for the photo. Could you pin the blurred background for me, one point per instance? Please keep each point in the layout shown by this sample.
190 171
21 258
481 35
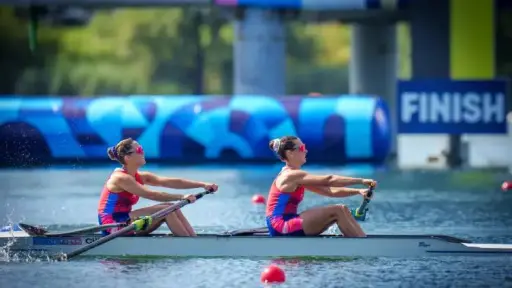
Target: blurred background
373 87
289 53
160 50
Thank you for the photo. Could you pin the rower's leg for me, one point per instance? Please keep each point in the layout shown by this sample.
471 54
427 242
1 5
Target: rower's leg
185 223
317 220
172 221
352 222
176 226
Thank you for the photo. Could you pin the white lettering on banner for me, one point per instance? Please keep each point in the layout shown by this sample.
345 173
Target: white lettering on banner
423 109
470 107
409 106
440 109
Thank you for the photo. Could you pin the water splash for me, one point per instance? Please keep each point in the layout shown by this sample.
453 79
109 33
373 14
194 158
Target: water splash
8 254
5 251
332 230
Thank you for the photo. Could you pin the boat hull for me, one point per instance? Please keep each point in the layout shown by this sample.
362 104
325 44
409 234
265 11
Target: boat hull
213 245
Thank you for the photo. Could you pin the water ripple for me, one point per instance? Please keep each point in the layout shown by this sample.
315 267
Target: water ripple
464 205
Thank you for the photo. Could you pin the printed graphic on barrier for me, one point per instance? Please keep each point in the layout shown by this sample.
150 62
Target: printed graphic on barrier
194 128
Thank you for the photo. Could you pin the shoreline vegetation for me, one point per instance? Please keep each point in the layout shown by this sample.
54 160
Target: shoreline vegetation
163 51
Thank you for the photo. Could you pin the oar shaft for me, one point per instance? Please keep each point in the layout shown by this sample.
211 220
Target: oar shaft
132 226
162 213
100 241
85 230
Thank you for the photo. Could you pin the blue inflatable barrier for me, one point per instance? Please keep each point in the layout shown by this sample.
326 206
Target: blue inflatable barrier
340 129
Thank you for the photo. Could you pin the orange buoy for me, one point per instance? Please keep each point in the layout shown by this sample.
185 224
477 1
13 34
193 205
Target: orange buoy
507 185
273 274
258 199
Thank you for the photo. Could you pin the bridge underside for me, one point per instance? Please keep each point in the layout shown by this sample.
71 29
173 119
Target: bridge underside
229 13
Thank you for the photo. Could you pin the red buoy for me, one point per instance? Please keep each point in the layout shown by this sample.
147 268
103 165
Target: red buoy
507 185
273 274
258 199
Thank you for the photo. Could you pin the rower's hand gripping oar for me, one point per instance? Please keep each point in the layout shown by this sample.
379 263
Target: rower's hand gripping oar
360 213
137 225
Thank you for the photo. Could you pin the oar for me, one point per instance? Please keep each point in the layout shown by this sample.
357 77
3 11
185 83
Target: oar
38 231
360 213
138 224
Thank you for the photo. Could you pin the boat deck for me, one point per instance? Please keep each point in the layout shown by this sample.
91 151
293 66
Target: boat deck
445 238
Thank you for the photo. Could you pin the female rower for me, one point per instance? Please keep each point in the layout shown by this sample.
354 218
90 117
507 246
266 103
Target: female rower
126 184
287 191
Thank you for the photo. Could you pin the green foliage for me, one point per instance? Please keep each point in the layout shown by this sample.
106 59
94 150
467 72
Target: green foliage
159 51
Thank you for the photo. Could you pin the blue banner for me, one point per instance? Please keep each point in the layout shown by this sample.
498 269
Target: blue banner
452 107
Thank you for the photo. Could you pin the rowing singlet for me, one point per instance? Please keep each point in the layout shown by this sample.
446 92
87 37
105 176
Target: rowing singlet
283 203
114 207
282 217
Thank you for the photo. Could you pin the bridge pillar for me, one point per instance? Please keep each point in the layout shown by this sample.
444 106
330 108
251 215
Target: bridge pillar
259 52
430 58
374 64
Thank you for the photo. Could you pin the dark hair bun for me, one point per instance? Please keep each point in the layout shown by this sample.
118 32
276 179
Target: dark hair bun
111 154
274 145
271 144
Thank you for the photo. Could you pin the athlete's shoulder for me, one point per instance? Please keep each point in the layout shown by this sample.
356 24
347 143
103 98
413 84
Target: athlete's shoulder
119 175
291 176
294 173
145 174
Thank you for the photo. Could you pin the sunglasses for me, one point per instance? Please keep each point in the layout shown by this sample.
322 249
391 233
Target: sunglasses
301 148
139 150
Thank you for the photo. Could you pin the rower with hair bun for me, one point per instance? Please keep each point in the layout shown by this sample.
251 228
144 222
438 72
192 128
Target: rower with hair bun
125 186
287 192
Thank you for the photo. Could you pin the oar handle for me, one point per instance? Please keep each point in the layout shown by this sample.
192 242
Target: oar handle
361 210
200 195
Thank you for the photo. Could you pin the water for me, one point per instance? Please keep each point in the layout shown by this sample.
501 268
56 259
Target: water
462 204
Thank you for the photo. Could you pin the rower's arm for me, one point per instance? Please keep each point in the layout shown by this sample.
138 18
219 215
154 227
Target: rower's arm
300 177
334 192
174 183
129 184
